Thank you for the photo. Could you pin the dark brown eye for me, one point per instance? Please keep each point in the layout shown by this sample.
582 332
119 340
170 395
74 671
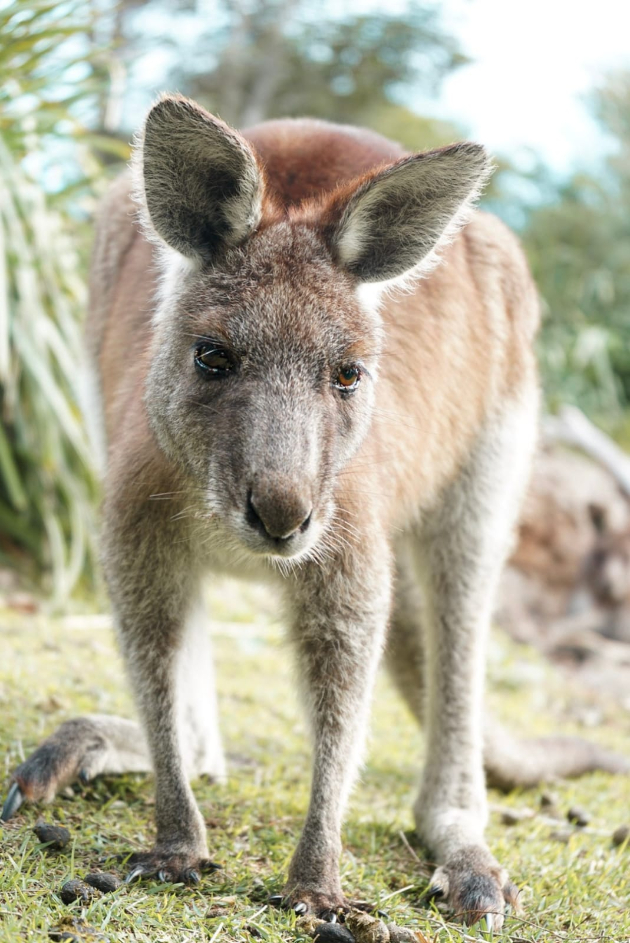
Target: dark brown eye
213 361
348 378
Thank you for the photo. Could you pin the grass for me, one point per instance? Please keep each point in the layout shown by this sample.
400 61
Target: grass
54 668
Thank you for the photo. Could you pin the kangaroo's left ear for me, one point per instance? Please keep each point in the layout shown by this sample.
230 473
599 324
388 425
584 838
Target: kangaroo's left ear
388 224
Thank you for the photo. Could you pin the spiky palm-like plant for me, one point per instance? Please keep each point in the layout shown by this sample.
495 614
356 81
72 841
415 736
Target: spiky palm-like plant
47 483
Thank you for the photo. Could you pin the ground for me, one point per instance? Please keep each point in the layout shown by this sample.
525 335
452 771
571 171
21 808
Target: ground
574 883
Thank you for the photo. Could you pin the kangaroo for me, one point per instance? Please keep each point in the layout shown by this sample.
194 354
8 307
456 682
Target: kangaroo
294 388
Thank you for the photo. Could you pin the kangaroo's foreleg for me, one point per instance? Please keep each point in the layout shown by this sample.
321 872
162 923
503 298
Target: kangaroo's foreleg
460 552
153 582
340 614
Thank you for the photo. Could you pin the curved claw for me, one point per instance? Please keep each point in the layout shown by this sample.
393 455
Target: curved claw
133 874
162 877
300 908
433 892
275 900
488 921
12 803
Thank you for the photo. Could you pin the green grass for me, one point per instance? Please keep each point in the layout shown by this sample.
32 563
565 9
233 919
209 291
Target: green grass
52 669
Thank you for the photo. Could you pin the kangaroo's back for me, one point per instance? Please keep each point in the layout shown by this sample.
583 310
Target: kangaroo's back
305 158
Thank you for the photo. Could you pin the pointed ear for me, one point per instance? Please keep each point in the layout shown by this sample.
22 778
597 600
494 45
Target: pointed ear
197 180
390 223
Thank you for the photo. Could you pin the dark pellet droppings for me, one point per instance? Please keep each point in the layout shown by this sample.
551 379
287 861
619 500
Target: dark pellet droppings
77 890
578 816
332 933
103 881
55 836
621 834
548 800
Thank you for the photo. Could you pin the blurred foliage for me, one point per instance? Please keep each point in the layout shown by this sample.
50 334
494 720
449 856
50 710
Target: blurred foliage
47 487
280 62
256 59
578 243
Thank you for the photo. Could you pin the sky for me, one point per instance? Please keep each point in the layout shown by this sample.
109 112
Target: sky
535 62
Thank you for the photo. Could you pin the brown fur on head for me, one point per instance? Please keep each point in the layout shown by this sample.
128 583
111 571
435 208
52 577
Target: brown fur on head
270 300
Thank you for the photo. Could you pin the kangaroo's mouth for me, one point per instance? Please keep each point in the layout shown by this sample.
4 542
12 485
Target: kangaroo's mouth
285 548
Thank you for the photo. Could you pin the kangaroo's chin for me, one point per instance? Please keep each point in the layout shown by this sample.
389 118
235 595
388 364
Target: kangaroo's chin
294 548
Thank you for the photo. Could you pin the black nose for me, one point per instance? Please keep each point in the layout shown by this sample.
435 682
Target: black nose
278 515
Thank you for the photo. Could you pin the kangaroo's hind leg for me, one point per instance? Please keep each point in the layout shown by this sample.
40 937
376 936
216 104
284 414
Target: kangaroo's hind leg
405 649
509 762
85 747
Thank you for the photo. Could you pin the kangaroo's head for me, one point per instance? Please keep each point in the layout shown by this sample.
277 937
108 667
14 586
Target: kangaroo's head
265 353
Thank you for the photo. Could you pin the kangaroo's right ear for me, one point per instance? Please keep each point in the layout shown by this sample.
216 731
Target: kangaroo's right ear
197 180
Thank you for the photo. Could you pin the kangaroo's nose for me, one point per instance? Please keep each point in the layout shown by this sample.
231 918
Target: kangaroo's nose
278 513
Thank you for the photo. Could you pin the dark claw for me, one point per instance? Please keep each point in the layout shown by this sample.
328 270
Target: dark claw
192 876
206 866
162 877
382 914
133 874
329 916
83 777
432 892
12 803
300 909
276 900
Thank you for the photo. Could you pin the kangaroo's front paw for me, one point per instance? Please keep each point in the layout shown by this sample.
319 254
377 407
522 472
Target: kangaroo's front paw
475 886
73 751
324 906
169 865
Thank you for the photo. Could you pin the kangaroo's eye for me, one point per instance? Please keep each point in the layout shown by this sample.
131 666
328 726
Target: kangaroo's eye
213 361
348 378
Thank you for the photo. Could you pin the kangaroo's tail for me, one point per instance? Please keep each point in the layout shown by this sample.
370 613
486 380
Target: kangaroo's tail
510 762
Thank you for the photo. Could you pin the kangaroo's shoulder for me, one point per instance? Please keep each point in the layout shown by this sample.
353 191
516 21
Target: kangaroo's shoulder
495 260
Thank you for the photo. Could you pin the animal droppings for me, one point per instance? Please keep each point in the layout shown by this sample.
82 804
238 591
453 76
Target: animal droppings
332 933
621 835
577 816
77 931
548 800
55 836
103 881
366 929
76 889
308 924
